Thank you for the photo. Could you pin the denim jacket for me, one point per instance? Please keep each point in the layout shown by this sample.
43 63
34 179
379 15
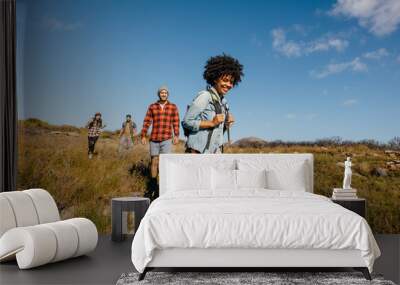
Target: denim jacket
200 109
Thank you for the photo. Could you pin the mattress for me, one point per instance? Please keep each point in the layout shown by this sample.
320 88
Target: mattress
250 219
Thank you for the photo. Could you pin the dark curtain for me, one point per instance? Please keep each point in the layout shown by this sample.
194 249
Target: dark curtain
8 99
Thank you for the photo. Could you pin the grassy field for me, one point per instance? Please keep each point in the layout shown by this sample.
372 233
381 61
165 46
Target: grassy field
55 158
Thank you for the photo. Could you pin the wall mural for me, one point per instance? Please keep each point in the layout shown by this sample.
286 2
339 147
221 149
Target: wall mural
94 78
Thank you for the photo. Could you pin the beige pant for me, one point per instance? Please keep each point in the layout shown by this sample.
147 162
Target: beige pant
125 144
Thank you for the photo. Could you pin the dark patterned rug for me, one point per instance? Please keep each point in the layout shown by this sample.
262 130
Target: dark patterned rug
242 278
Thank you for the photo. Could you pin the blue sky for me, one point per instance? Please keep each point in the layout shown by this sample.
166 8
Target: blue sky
313 69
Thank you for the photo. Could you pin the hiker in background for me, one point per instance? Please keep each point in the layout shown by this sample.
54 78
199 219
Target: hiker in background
208 116
126 134
164 117
95 126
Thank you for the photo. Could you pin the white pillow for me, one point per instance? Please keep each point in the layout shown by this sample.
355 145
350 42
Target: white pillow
290 178
183 178
251 178
223 179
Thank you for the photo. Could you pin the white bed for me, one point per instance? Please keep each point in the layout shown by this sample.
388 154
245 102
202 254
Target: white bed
286 226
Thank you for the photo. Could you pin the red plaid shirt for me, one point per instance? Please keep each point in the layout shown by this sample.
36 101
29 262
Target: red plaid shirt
163 120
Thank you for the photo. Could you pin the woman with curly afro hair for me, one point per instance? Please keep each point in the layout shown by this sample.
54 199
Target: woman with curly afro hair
208 116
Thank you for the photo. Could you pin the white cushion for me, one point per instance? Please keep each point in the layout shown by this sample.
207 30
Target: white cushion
224 179
40 244
87 233
282 175
251 178
33 245
292 178
23 208
67 240
45 205
7 218
183 178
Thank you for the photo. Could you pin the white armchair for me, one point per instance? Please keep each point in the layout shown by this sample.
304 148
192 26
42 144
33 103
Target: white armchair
31 230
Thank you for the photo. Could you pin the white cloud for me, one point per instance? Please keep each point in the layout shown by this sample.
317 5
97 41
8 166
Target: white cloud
291 116
301 29
380 17
350 102
279 42
355 65
326 44
398 58
311 116
376 54
290 48
54 24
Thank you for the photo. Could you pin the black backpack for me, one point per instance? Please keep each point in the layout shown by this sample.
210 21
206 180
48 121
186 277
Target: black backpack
218 110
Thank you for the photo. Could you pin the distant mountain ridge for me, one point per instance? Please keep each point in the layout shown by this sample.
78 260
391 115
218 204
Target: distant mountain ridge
37 125
250 142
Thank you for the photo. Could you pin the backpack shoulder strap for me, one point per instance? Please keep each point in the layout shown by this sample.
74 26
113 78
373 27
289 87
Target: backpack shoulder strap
216 103
218 110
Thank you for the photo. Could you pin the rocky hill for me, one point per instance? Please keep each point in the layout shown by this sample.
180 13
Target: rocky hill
250 142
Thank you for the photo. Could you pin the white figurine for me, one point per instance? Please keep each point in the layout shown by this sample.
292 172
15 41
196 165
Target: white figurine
347 174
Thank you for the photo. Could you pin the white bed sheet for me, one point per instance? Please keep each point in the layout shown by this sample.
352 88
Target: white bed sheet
250 218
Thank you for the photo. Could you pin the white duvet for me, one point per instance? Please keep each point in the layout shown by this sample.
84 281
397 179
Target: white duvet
250 219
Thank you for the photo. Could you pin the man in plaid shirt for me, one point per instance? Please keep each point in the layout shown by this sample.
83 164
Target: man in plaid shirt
164 116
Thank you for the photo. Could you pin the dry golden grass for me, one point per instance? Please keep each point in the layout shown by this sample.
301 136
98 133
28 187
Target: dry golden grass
55 158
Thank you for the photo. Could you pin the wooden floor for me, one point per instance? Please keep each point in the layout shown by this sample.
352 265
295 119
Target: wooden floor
110 260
